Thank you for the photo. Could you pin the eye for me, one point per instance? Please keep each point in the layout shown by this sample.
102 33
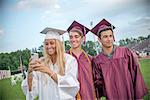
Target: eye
71 37
77 36
46 43
105 36
111 35
51 42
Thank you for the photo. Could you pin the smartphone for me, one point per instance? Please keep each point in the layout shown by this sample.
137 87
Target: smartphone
34 56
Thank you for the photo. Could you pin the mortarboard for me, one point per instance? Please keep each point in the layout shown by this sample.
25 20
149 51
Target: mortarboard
102 26
75 26
52 33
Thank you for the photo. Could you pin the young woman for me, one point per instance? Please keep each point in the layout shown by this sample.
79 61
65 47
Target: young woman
52 77
76 36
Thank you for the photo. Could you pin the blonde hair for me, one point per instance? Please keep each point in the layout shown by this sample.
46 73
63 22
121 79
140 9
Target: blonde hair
60 60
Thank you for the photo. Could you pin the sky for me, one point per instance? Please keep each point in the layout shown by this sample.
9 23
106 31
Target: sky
21 21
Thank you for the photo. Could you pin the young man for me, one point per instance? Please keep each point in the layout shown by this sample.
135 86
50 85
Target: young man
77 34
116 72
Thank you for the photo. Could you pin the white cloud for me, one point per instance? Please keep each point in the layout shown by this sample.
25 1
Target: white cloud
111 7
1 31
29 4
57 6
145 20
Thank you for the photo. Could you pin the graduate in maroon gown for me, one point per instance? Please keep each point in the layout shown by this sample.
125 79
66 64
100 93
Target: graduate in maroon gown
76 36
116 71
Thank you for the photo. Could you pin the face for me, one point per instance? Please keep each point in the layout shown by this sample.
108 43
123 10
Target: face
75 39
50 46
107 38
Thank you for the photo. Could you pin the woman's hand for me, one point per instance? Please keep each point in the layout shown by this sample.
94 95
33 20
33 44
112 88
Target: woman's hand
40 66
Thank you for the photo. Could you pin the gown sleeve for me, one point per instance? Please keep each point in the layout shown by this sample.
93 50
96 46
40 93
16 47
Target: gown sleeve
98 79
30 95
140 88
68 84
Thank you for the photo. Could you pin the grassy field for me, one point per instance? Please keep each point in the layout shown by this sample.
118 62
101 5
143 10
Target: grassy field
8 92
145 68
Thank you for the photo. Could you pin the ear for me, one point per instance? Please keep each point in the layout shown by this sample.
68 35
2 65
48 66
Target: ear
99 39
82 38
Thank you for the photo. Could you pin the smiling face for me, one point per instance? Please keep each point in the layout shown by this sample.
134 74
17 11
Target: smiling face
50 46
106 38
75 39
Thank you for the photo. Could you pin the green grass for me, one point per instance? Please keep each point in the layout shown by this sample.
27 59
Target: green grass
8 92
145 68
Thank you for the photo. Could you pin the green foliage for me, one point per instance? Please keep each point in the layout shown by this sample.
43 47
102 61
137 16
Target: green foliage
12 60
90 48
67 45
132 40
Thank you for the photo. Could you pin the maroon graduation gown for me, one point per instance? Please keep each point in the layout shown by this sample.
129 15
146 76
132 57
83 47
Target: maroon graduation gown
119 77
85 77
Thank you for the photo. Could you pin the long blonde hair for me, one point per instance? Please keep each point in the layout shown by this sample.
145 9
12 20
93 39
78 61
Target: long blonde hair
60 59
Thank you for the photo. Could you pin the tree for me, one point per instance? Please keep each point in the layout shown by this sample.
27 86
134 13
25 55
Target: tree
67 45
90 48
122 42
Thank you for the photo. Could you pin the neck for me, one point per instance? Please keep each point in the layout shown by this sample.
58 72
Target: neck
53 58
77 51
108 50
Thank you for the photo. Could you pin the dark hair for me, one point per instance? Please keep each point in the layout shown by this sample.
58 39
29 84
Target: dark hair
104 30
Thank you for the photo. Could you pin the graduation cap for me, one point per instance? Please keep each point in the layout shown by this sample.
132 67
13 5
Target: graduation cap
52 33
77 27
102 26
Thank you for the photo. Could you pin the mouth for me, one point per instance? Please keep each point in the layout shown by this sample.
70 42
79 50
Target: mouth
50 49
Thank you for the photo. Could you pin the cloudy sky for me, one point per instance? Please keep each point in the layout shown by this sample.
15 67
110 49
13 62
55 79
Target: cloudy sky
22 20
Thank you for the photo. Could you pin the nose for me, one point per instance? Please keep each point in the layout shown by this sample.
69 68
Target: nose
48 45
109 38
73 39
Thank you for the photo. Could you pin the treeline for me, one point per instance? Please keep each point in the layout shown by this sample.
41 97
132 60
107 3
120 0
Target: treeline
132 40
12 60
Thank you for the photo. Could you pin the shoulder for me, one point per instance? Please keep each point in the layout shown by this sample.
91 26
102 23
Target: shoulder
97 58
121 48
126 51
121 51
89 56
70 60
69 57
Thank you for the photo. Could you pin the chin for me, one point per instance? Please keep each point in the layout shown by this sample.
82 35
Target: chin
108 46
74 47
51 53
